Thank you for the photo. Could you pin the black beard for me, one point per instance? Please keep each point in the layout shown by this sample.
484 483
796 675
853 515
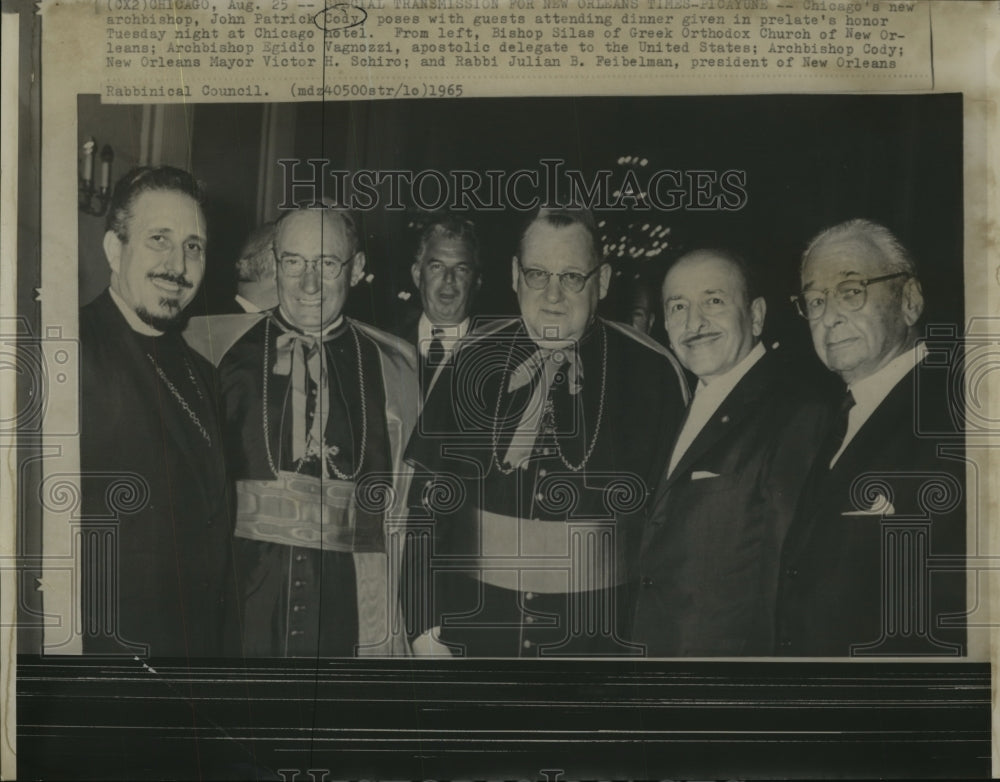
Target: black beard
171 323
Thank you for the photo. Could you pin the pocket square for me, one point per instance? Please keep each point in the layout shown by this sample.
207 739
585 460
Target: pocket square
700 475
880 507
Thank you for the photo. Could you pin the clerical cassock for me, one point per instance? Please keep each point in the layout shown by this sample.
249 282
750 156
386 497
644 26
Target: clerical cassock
156 575
315 426
534 466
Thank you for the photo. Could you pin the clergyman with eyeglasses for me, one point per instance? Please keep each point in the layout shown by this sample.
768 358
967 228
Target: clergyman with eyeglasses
711 542
318 408
873 563
544 437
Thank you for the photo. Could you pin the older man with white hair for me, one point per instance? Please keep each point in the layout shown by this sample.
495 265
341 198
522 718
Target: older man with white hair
874 561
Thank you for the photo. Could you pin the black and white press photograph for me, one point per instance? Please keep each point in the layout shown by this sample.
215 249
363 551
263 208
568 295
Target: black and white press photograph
488 438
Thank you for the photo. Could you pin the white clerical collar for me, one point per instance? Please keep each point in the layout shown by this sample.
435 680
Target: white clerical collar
448 333
134 321
247 305
870 391
336 324
721 385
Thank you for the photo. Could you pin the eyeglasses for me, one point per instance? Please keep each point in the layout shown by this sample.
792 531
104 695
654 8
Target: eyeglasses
571 282
330 266
461 271
850 294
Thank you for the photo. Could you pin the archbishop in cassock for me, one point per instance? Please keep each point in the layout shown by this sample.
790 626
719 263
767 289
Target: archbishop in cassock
317 410
536 451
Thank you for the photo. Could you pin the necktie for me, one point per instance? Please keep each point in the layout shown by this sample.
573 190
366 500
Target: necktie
435 352
838 430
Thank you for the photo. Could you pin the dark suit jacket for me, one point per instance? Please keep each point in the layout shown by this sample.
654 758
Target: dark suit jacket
408 329
854 581
157 527
712 539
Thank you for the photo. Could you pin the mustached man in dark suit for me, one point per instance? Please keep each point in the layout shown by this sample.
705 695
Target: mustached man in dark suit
446 272
712 539
874 562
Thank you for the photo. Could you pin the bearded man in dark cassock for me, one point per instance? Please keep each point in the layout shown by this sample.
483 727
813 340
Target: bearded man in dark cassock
537 449
317 409
155 564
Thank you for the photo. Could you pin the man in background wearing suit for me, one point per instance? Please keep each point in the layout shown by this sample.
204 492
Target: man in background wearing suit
874 561
711 543
447 274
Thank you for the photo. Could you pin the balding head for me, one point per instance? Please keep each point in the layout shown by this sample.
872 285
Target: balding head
318 261
712 322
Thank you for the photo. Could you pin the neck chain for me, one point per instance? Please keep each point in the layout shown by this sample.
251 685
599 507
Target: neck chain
325 452
549 413
180 397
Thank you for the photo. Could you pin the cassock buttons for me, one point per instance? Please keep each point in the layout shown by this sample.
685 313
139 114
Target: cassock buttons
785 643
298 583
300 557
543 472
527 644
529 620
725 419
529 595
791 572
647 581
298 607
296 633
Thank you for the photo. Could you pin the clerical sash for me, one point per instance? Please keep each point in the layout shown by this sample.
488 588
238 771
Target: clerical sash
548 556
302 510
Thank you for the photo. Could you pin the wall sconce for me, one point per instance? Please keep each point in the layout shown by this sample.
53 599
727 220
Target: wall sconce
94 201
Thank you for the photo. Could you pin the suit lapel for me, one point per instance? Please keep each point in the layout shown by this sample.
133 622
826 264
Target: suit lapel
826 488
740 403
883 420
735 408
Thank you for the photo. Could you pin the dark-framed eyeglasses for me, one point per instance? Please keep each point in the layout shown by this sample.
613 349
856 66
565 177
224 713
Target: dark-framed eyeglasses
330 266
851 295
571 282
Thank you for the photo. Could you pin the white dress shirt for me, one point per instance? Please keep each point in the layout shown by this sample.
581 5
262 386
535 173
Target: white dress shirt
870 391
707 398
247 305
449 334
